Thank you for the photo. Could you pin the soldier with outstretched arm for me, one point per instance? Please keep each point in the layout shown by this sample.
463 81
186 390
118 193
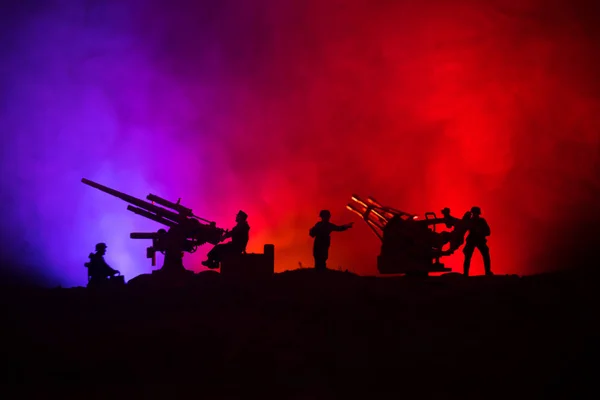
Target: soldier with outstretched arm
321 233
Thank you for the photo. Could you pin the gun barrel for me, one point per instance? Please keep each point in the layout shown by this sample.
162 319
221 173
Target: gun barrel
182 210
169 204
151 216
377 216
144 205
112 192
372 204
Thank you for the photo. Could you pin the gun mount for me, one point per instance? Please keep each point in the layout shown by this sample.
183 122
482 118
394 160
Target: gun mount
186 231
409 245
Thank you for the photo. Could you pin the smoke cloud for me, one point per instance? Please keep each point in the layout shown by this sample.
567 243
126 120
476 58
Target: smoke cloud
284 108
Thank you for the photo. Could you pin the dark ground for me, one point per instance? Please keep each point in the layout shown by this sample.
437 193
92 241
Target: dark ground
308 335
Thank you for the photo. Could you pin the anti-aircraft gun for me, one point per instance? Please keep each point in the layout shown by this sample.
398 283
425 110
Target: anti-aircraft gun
409 245
185 231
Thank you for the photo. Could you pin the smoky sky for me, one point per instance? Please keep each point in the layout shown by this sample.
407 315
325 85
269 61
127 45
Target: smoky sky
283 108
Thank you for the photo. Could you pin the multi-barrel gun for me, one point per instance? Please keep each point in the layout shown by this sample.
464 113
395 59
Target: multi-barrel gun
409 244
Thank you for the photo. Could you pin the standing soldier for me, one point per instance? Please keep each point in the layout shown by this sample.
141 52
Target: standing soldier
321 233
479 230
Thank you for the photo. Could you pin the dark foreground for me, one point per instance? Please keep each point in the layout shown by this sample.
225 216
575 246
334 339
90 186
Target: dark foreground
307 335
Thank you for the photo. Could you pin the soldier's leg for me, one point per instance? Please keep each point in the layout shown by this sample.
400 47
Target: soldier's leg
468 252
325 257
487 262
227 250
214 256
320 256
221 250
213 253
320 263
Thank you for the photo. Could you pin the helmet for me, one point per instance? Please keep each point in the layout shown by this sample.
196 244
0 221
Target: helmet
476 210
101 246
445 211
325 214
242 215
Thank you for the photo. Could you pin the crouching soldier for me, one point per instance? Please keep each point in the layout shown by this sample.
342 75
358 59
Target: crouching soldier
99 272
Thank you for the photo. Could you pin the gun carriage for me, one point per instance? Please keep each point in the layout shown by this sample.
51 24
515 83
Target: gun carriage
185 231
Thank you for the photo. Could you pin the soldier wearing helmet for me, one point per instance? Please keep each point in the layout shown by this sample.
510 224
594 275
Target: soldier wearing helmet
456 237
98 270
321 233
479 230
450 220
239 234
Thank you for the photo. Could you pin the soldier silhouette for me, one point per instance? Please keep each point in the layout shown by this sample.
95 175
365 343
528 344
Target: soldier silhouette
321 233
456 237
479 230
450 220
99 271
239 240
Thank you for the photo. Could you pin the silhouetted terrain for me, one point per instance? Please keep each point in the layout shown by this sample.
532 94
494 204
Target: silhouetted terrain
306 334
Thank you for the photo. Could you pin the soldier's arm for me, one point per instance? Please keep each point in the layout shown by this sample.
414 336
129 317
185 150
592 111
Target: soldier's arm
340 228
450 221
109 268
233 231
313 231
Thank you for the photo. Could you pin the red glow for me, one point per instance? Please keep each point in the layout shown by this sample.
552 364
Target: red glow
423 105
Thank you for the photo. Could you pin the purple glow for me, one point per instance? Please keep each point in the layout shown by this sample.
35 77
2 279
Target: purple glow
282 108
86 100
